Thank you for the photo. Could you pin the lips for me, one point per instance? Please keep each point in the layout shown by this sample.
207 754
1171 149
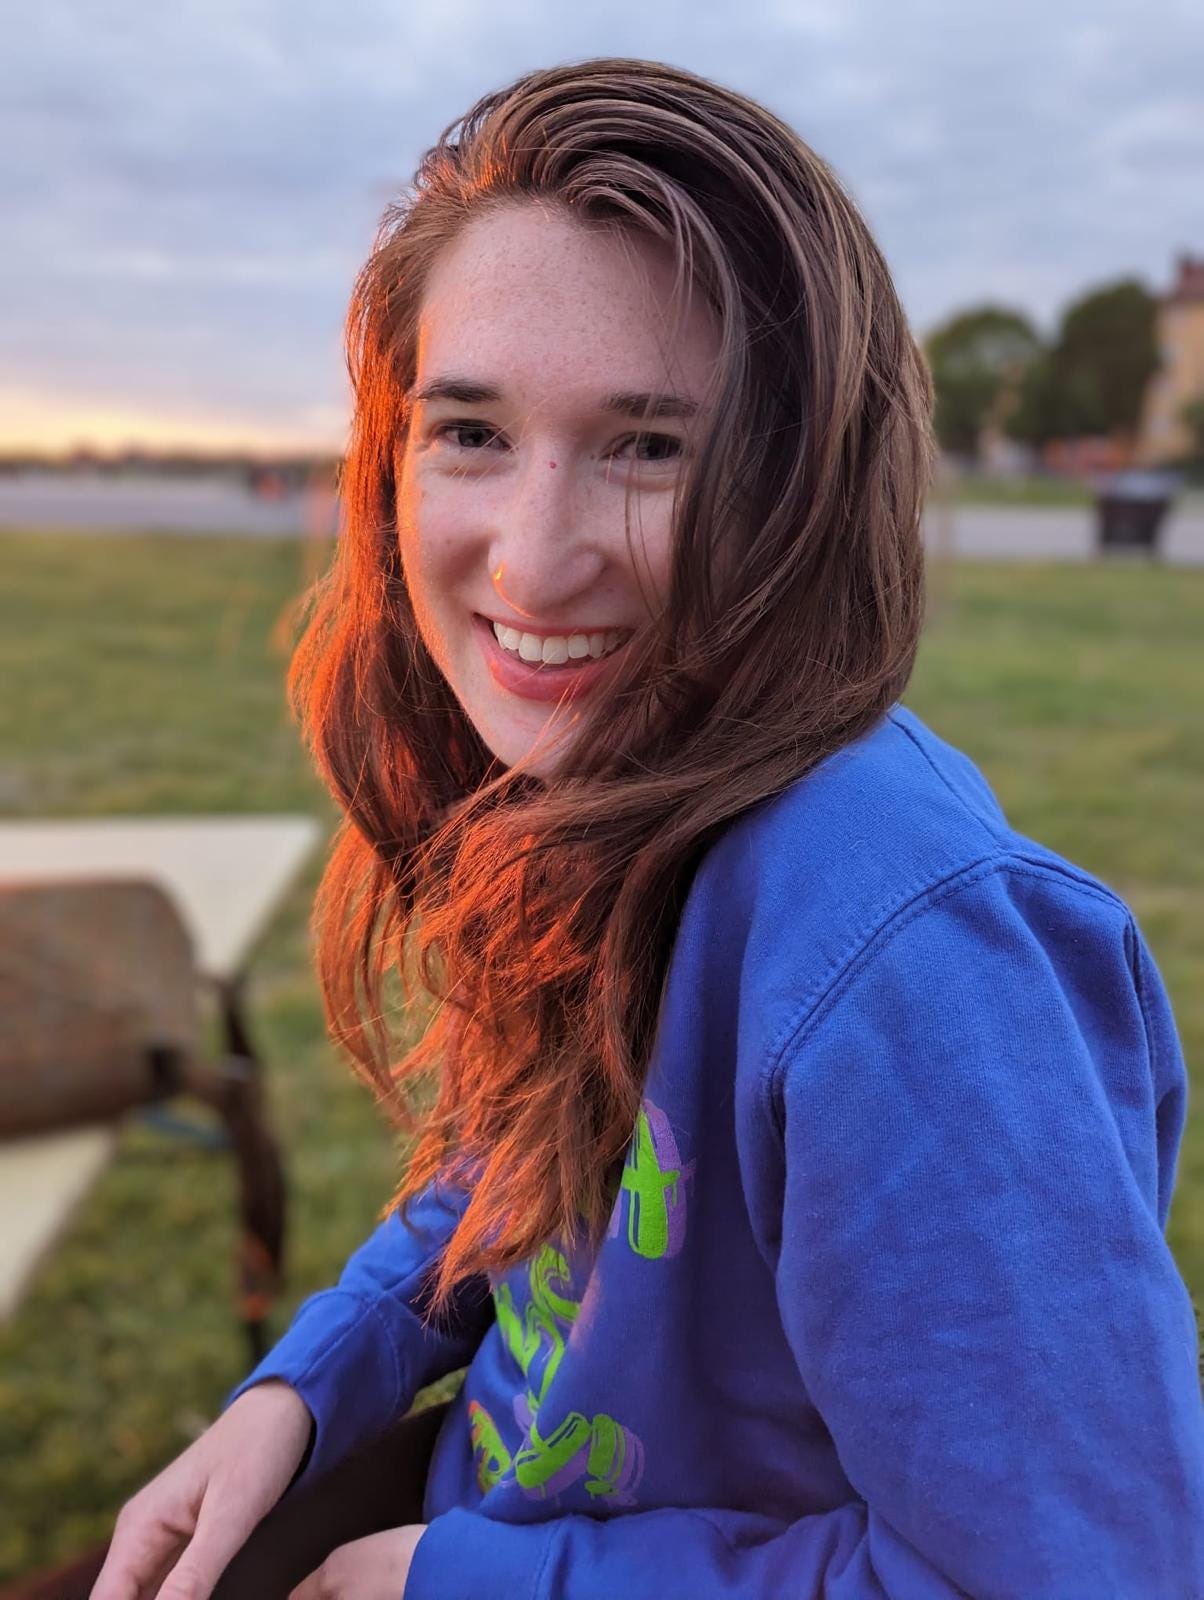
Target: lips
537 680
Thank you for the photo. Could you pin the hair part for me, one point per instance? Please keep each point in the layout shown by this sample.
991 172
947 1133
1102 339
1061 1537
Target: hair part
539 918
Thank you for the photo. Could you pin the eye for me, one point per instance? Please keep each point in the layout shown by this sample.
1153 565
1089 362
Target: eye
462 427
655 439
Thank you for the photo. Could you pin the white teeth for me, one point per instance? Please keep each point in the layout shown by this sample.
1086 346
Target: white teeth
557 648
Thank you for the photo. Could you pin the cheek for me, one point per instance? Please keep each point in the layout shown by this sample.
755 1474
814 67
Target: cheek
426 543
426 585
440 552
415 547
652 544
437 564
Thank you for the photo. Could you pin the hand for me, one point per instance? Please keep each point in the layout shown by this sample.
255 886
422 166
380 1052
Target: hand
175 1538
375 1568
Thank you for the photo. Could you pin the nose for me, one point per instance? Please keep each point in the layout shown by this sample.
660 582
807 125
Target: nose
541 555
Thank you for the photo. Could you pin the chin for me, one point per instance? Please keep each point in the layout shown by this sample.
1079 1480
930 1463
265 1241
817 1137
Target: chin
512 752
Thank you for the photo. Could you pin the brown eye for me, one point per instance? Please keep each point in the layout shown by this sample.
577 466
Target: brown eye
656 440
462 427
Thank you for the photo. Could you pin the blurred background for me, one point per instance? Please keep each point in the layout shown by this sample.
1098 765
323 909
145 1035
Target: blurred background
188 193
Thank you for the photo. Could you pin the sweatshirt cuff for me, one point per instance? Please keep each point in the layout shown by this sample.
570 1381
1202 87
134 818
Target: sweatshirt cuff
464 1555
338 1356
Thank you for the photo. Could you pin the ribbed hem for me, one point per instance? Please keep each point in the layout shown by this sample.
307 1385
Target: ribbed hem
342 1363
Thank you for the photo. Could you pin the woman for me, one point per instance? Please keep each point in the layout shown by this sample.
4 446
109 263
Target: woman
796 1138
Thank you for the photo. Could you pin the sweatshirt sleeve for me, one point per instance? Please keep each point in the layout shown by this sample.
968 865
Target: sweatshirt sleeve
978 1126
357 1353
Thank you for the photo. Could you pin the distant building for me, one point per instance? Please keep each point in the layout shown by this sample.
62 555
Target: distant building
1162 434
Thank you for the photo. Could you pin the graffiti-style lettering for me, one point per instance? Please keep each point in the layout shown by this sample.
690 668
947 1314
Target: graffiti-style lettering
602 1455
654 1185
493 1459
607 1456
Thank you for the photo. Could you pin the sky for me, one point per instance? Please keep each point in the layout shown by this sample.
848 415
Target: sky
189 190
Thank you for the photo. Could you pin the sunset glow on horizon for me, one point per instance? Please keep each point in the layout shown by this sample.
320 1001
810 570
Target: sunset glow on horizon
43 425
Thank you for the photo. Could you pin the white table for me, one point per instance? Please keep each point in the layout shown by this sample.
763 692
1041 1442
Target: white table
226 875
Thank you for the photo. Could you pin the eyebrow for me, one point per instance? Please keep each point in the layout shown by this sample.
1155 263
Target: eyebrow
628 403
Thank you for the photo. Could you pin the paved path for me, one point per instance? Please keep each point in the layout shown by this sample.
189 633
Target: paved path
93 504
1064 534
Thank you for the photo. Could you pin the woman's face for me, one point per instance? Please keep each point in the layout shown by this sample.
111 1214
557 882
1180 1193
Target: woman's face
520 452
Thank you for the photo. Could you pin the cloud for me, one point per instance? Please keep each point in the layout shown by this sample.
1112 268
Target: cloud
200 182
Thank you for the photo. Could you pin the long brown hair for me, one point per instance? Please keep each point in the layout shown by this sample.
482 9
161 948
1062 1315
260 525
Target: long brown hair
539 917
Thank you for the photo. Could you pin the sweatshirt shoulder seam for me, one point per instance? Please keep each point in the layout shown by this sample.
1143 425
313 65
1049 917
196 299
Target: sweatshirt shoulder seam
908 733
1136 959
840 976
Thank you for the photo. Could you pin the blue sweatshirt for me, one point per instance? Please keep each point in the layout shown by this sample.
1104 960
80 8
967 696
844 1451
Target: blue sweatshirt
886 1307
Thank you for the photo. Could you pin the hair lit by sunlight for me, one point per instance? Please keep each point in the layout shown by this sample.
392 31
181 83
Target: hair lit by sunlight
539 917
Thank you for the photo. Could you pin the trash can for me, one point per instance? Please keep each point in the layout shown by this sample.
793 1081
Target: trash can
1131 507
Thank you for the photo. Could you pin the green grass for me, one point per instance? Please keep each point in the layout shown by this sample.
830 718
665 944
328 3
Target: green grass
140 676
977 489
973 490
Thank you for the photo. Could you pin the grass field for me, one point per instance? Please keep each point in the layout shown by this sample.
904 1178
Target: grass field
1048 492
974 490
145 675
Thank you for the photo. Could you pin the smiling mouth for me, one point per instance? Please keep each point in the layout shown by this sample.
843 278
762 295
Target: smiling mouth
544 680
613 641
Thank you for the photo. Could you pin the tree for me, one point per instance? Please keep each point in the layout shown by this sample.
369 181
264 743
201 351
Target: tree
1095 376
1041 412
978 359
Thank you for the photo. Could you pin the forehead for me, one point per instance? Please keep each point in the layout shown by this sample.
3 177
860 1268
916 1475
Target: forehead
533 302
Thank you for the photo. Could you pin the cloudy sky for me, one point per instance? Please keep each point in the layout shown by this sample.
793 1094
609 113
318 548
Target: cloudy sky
188 189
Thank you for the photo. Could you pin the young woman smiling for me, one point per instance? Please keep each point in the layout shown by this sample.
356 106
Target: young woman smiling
795 1139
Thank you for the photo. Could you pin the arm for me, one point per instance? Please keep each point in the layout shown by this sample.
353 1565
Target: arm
979 1124
357 1353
